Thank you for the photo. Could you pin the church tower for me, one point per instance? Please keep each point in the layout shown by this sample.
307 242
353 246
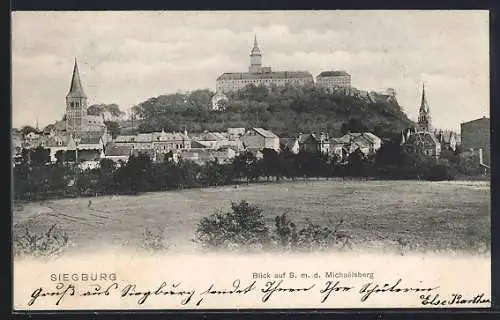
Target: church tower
76 103
424 114
255 58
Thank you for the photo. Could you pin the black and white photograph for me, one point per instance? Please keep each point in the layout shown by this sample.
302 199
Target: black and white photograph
250 159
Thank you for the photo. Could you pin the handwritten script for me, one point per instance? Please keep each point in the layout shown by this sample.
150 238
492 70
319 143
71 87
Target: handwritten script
176 293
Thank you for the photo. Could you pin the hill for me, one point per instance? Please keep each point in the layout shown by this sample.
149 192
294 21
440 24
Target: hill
285 111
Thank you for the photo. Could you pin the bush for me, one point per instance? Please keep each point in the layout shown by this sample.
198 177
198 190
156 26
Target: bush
440 171
311 237
243 227
49 243
154 241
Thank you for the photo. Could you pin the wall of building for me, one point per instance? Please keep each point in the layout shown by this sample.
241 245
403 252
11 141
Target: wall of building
476 135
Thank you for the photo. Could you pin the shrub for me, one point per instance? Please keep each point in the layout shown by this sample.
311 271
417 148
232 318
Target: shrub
311 237
154 241
49 243
242 227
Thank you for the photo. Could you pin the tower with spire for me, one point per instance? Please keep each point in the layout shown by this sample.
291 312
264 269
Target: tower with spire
255 58
424 114
76 103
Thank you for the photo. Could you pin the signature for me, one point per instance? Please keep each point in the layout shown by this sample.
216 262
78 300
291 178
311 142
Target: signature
454 299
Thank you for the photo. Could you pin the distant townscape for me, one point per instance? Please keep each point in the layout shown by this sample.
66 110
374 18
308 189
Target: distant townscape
87 135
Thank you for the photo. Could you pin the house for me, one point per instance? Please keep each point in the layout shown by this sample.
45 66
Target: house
366 142
290 144
448 139
162 142
475 136
202 155
424 142
218 100
312 142
211 140
117 152
258 138
236 132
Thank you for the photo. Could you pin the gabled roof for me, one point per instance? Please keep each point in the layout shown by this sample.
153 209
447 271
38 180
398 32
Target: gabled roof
196 145
114 150
423 136
265 133
367 137
288 142
265 75
125 139
333 73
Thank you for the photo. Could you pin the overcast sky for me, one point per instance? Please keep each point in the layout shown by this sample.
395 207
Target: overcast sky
128 57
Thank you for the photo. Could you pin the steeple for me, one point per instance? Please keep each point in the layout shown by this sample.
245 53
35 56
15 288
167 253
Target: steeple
424 115
424 106
255 58
76 89
255 49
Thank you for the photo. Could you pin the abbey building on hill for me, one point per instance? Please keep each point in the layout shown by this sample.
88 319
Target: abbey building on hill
257 74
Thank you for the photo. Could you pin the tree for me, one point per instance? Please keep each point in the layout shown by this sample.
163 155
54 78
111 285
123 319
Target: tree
244 226
244 164
113 128
28 129
136 175
39 156
271 163
353 125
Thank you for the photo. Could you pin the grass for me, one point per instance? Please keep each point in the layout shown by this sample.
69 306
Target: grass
379 215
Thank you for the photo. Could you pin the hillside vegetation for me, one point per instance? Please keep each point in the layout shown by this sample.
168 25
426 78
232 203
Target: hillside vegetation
285 111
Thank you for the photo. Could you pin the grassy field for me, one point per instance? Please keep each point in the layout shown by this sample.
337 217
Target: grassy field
429 216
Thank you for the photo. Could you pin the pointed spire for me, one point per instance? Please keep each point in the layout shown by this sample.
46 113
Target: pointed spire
255 49
424 106
76 89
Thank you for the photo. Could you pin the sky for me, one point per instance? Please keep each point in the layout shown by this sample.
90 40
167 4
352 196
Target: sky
128 57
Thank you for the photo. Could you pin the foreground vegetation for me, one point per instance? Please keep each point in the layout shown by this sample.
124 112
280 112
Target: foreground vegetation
371 215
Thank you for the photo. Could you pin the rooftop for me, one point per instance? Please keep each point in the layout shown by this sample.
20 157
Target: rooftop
265 75
333 73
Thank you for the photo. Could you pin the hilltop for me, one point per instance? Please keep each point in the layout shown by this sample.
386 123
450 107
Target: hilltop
285 111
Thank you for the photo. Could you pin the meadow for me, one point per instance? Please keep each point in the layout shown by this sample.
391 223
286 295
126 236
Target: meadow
429 216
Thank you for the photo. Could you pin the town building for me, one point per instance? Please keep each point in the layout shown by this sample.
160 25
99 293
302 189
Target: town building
333 80
202 156
423 142
118 153
475 137
448 139
366 142
290 144
259 75
422 139
161 142
258 139
76 119
311 142
218 100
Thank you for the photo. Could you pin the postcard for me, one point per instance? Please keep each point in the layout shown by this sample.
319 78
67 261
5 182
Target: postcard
205 160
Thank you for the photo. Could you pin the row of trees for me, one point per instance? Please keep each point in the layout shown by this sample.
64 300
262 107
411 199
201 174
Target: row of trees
36 178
